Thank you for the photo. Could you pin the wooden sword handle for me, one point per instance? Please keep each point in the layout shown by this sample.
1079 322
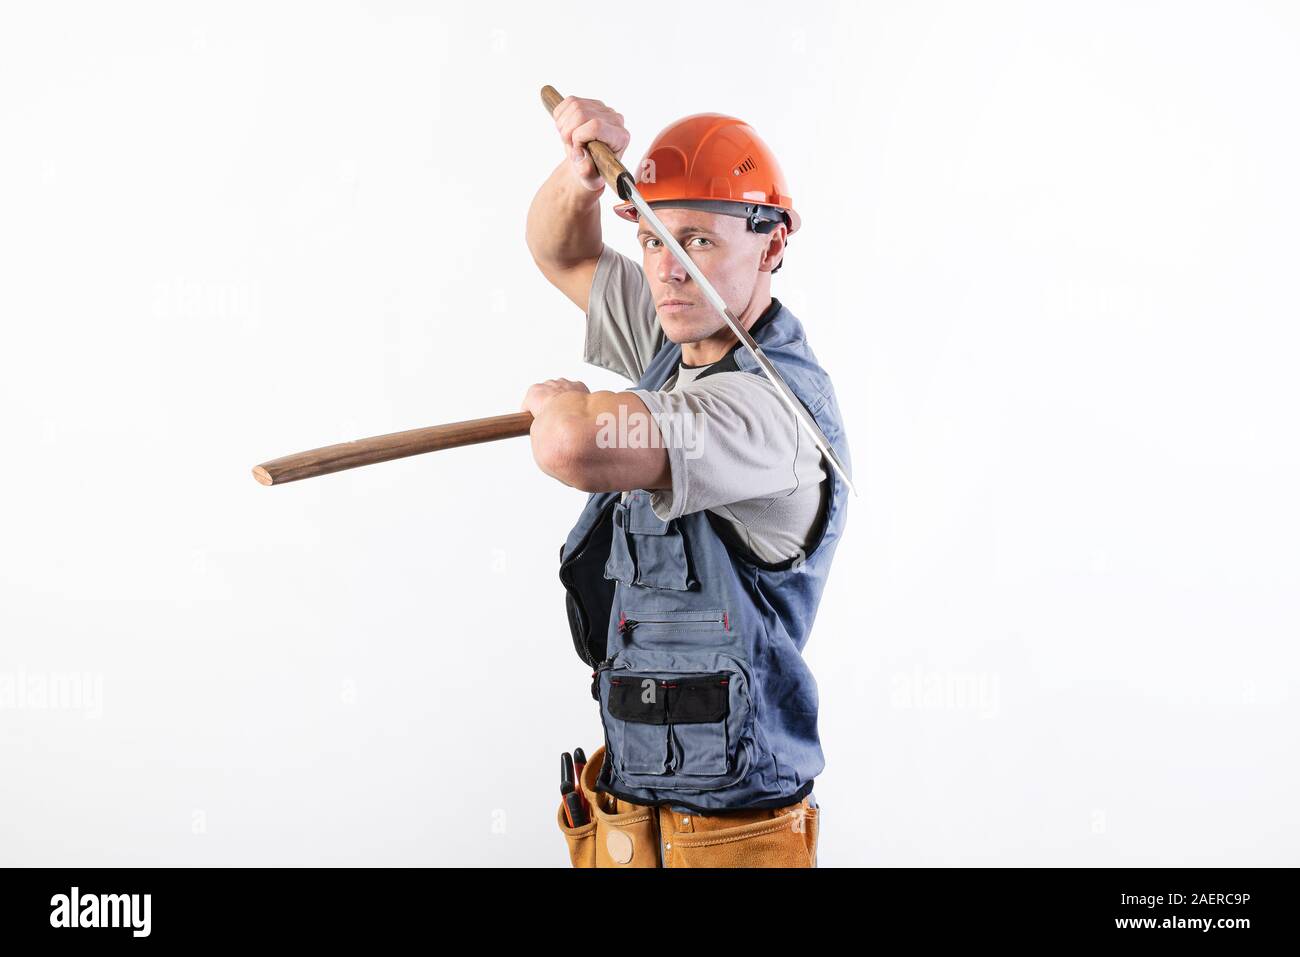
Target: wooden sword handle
395 445
613 172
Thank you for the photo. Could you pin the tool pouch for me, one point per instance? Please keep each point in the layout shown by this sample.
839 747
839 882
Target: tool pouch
783 837
623 834
619 834
581 840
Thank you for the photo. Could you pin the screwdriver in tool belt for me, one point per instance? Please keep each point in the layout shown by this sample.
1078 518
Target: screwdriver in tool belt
573 809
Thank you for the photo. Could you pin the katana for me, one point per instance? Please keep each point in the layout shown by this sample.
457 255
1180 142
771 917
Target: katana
396 445
622 182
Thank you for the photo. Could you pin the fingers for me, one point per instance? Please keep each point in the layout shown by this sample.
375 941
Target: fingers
570 113
562 385
608 131
579 121
567 114
540 393
593 130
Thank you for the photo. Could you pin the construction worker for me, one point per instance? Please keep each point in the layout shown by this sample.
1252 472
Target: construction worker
694 572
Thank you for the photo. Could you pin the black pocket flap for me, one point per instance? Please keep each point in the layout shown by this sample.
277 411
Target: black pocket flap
698 699
639 698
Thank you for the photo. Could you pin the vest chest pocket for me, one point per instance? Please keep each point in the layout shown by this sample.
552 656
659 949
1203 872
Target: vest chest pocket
646 550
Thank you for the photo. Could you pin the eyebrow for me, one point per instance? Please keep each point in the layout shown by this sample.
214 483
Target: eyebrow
683 232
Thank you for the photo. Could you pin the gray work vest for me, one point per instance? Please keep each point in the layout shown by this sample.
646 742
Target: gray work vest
696 644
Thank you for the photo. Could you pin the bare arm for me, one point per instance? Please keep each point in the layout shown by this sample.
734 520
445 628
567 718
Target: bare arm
563 230
596 441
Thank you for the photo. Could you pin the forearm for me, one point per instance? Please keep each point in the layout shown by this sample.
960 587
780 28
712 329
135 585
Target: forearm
564 222
600 442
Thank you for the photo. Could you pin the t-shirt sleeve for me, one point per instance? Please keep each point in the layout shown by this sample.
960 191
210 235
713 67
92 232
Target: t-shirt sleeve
623 331
730 438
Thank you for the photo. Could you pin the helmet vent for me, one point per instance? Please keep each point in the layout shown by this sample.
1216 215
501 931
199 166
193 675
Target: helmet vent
744 167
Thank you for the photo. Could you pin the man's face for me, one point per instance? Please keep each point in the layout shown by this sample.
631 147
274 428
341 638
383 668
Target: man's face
724 250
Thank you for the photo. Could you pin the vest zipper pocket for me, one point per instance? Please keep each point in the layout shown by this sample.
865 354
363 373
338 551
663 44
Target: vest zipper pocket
626 625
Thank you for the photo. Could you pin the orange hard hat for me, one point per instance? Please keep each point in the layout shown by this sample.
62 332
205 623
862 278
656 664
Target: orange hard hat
718 163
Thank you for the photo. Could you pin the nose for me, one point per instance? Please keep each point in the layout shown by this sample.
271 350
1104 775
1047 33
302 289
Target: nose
670 270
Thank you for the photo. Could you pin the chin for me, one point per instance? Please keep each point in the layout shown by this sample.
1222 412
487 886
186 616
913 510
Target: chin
683 329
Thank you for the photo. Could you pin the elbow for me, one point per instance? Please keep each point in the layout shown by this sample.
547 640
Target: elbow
563 449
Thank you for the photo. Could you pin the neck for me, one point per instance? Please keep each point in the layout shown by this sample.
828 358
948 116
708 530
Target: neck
707 351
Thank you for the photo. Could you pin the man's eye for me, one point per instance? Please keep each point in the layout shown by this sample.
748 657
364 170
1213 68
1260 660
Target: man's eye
652 243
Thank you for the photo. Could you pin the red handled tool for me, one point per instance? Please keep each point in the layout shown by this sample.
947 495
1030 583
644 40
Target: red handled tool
574 812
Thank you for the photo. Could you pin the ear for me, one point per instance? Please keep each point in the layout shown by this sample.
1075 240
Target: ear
773 248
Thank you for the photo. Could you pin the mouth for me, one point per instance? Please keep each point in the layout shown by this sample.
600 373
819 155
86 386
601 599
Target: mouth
672 304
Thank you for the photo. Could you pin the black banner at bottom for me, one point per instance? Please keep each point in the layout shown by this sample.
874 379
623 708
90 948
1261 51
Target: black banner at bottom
136 906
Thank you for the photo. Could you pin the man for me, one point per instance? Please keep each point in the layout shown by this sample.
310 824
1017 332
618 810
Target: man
695 570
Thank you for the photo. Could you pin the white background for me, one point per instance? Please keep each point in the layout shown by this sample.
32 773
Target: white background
1048 257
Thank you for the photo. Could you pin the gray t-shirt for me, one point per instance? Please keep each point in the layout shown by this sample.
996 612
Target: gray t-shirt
733 447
